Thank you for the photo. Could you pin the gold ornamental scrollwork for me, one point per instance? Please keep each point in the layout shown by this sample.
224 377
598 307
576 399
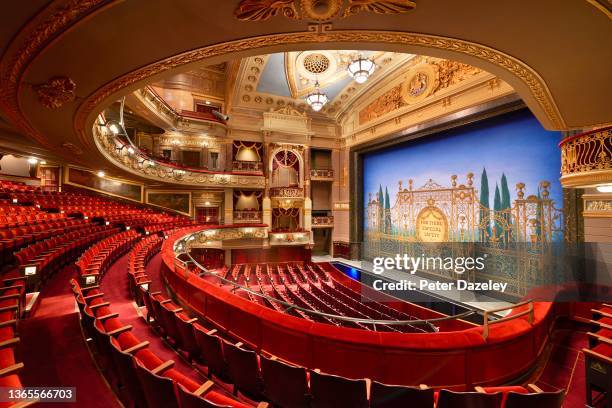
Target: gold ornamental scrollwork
527 75
317 10
587 158
56 92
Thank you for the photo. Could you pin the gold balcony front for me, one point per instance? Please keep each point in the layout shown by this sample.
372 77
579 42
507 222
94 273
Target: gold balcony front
586 159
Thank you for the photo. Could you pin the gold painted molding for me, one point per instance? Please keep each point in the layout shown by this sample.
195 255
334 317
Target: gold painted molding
520 70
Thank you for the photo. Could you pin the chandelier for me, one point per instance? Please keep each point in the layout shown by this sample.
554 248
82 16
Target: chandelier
317 99
361 69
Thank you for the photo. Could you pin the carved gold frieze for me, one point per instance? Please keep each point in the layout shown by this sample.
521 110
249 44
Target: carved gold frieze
423 81
586 159
317 10
597 205
56 92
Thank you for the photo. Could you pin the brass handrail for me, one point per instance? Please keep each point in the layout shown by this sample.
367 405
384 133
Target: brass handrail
486 324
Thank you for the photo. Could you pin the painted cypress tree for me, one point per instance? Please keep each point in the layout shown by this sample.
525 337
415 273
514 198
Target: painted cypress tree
387 212
485 229
505 205
496 208
381 209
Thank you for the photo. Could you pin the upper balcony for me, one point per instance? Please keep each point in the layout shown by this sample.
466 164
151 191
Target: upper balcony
322 175
586 159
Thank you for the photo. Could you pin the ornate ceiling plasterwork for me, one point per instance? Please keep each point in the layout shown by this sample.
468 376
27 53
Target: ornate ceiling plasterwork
317 10
330 67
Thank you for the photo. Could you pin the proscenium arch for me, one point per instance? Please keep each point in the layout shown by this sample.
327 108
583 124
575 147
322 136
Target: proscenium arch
525 81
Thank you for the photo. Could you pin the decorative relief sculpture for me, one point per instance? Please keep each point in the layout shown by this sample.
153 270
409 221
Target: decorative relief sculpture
317 10
56 92
259 10
426 80
452 72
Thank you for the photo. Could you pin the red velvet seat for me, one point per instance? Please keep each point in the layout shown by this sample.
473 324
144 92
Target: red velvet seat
188 342
168 320
243 367
285 385
211 348
451 399
158 390
390 396
127 374
535 400
332 391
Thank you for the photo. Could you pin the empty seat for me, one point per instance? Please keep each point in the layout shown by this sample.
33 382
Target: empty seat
211 347
332 391
158 390
243 368
535 400
451 399
127 374
285 385
187 337
391 396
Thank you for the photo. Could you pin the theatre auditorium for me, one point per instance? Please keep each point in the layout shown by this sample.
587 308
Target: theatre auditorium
306 203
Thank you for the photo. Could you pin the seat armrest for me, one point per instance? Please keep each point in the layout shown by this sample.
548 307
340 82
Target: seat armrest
480 389
211 332
136 347
97 295
263 404
108 316
10 370
120 330
163 302
99 305
534 388
9 343
195 319
204 388
162 367
8 323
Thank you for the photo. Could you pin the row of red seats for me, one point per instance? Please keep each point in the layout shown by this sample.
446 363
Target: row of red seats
135 372
140 255
12 296
156 227
52 254
97 259
10 186
14 239
598 357
18 220
287 385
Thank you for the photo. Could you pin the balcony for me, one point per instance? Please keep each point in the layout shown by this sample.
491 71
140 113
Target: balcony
586 159
322 222
322 174
247 217
247 166
287 192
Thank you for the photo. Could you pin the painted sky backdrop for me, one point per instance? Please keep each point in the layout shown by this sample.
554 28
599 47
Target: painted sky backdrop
514 144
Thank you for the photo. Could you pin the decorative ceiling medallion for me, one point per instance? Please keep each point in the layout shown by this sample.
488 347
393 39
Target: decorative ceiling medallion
259 10
317 10
316 63
56 92
72 148
321 10
419 85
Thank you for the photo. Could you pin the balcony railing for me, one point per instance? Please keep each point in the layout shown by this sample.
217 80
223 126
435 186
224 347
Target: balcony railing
322 221
586 159
250 166
287 192
289 238
249 217
322 174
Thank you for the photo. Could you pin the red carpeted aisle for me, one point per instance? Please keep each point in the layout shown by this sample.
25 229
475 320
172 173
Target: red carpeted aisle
54 351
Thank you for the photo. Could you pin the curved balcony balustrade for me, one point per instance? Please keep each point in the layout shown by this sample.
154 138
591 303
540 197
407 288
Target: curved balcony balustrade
586 159
133 160
185 120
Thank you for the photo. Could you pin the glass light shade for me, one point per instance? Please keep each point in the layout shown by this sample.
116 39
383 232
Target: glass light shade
317 99
361 69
